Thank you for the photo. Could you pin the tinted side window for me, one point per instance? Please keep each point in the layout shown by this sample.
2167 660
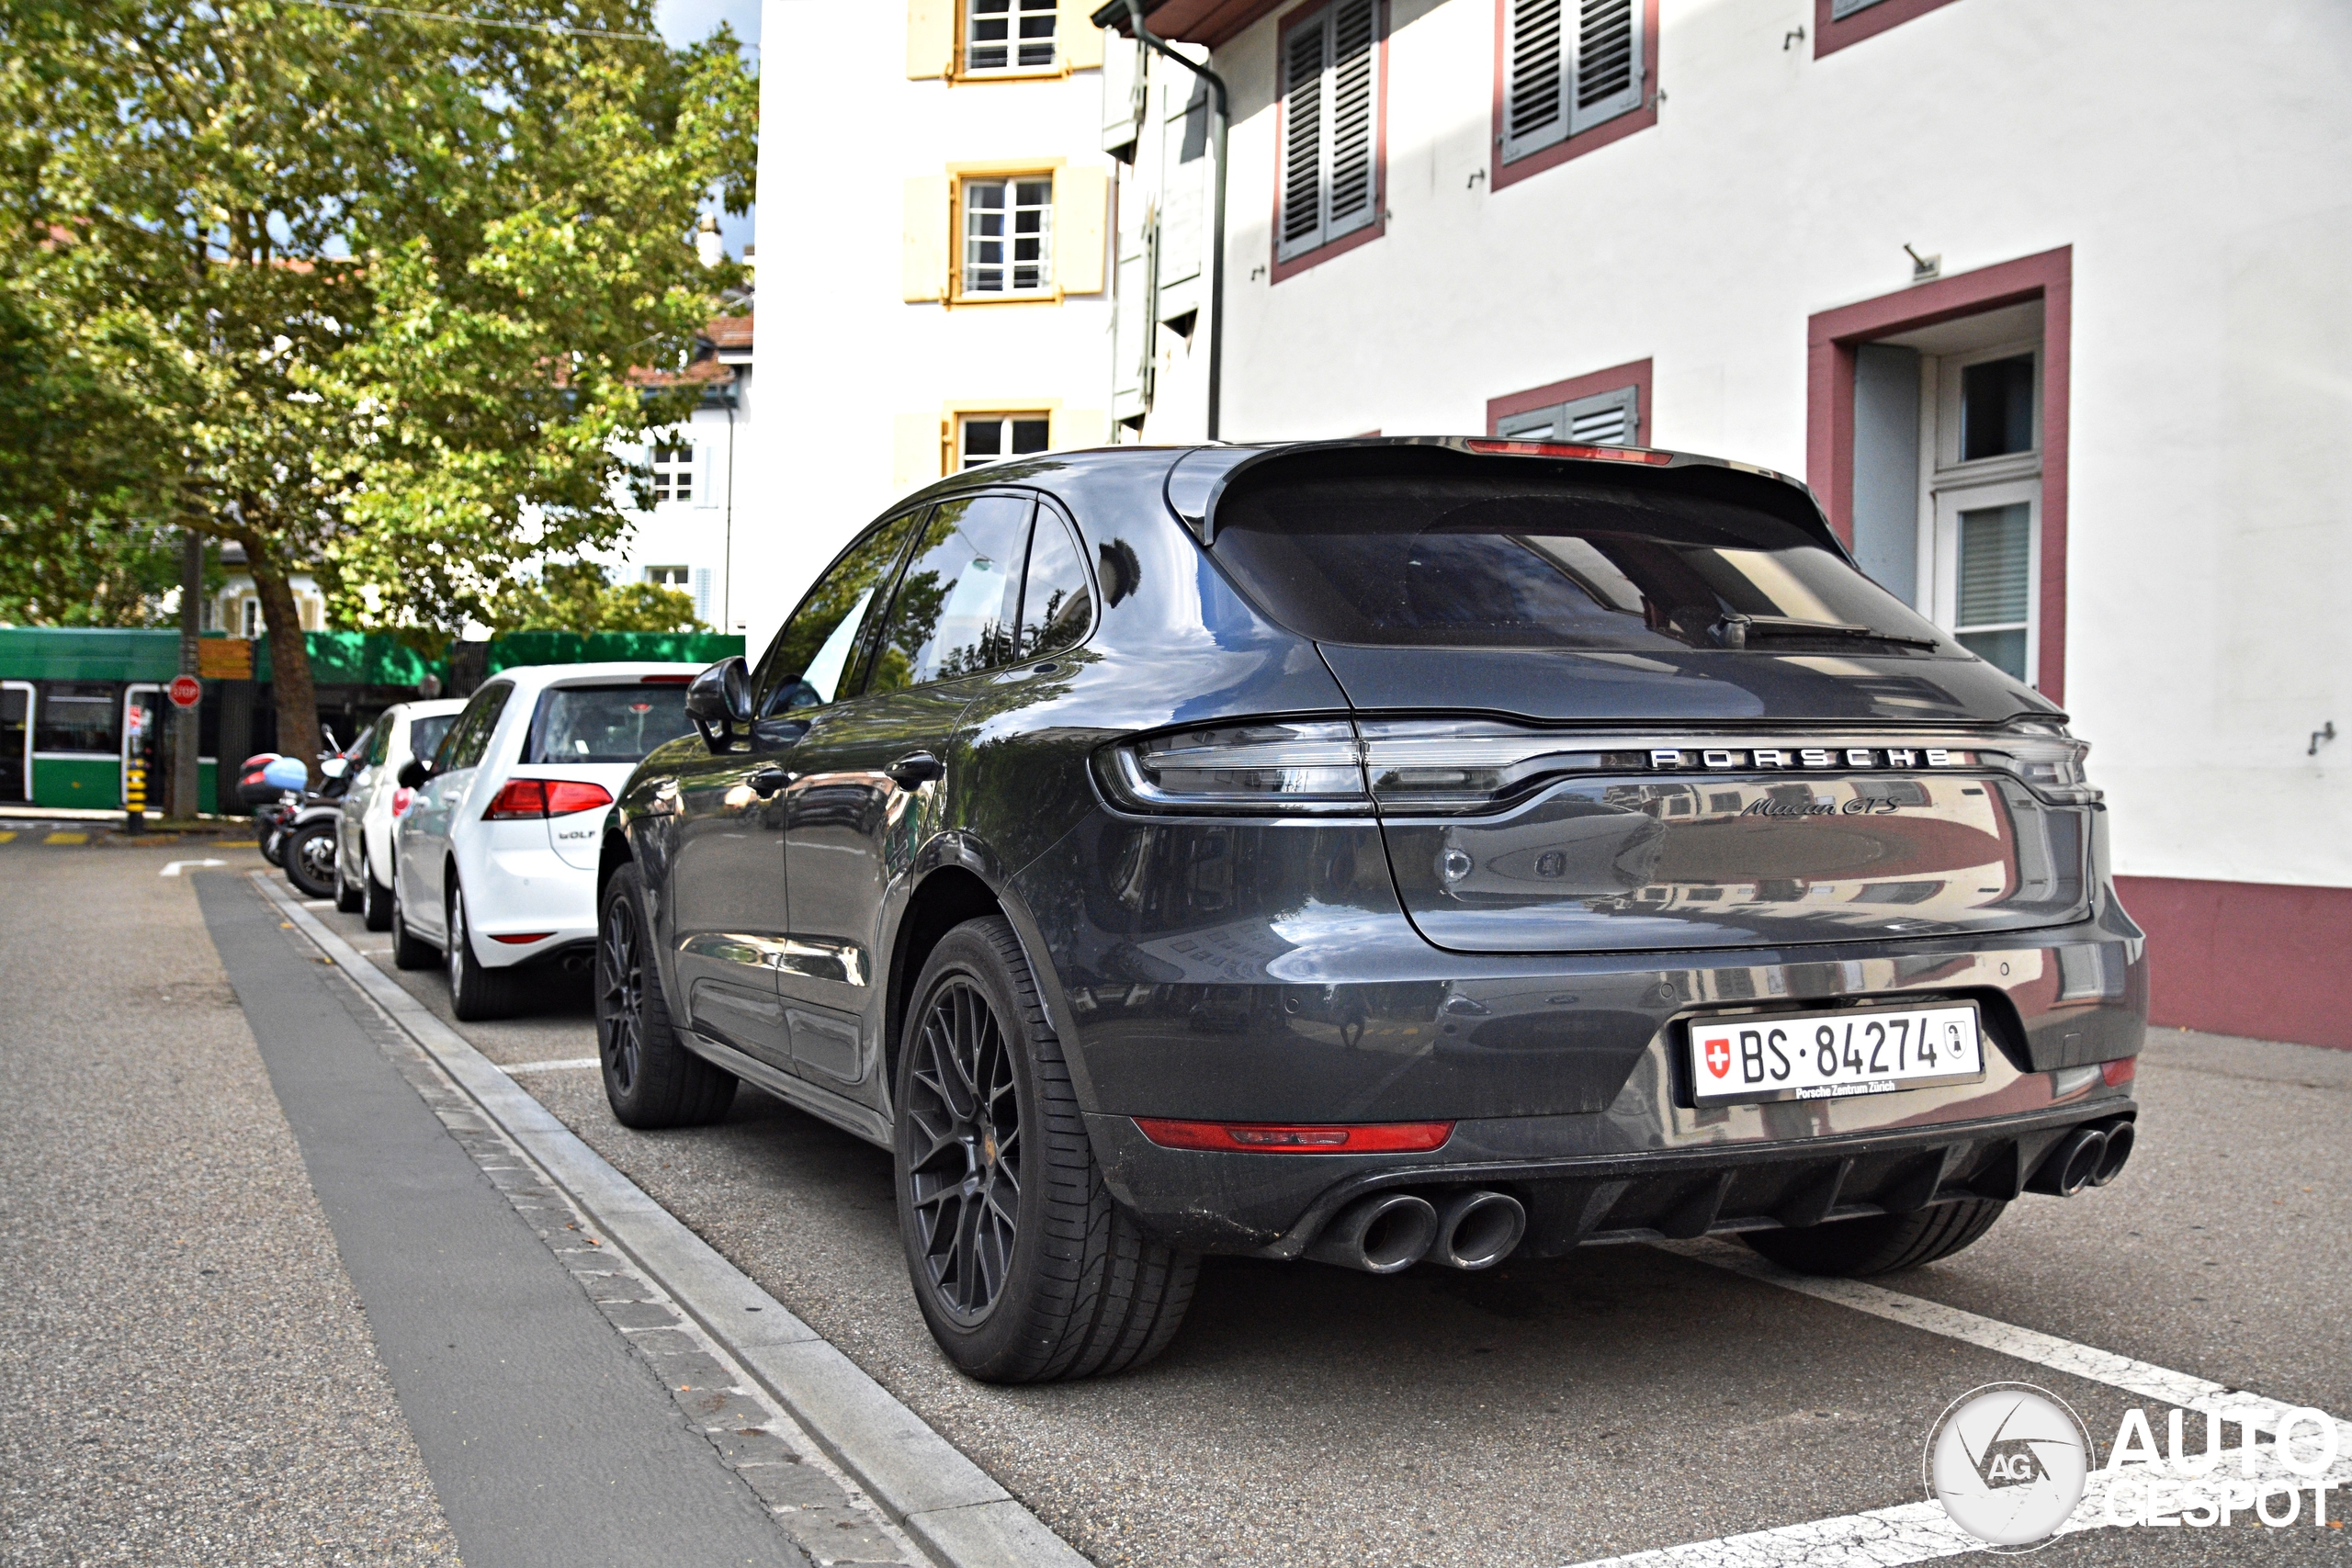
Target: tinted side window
425 735
809 662
959 597
1057 607
472 737
379 742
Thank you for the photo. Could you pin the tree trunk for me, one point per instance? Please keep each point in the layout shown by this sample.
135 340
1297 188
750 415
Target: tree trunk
289 662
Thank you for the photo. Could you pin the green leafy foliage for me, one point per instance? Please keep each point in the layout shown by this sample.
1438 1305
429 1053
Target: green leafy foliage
370 294
577 596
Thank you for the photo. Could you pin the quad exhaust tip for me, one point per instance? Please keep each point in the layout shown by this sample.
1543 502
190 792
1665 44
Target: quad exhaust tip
1387 1233
2120 1138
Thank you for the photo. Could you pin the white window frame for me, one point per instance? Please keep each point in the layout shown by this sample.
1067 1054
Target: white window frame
964 422
667 576
1950 502
674 468
969 240
1014 13
1948 369
32 715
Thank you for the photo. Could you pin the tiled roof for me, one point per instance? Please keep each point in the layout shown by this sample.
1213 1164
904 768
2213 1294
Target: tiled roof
729 332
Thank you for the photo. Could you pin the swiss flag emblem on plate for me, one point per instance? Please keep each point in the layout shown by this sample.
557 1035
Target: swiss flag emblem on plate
1719 1055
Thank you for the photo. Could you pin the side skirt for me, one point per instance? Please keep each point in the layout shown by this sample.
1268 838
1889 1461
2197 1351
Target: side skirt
860 1121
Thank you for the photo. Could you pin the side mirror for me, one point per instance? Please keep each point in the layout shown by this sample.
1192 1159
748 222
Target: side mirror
412 773
719 702
335 767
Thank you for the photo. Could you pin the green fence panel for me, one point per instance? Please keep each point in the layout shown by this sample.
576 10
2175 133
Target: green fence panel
597 648
88 653
358 659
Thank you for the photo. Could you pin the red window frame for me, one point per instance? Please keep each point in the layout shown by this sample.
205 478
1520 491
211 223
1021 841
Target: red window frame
1635 374
1831 338
1830 35
1278 268
1500 174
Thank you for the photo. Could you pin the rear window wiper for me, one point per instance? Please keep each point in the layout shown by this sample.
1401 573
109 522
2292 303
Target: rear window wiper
1735 630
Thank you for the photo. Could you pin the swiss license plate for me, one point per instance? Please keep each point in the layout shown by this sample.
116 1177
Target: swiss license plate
1829 1055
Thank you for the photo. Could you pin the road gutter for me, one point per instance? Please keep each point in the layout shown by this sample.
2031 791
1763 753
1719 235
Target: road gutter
950 1508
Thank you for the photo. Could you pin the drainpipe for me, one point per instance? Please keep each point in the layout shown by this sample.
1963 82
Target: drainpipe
727 558
1217 223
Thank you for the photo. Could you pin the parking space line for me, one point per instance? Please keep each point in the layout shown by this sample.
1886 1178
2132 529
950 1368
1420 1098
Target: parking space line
67 838
567 1064
8 836
955 1511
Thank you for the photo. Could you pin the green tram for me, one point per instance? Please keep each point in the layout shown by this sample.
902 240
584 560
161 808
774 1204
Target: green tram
78 706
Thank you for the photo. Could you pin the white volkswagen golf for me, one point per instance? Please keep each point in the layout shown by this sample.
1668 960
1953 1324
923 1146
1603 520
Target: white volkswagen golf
496 861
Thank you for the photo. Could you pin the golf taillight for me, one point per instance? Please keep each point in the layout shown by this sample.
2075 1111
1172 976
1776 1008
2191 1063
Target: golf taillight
1278 1138
1569 449
545 797
401 799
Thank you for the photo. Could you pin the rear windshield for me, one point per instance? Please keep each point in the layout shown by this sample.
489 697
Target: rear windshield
604 724
424 734
1480 561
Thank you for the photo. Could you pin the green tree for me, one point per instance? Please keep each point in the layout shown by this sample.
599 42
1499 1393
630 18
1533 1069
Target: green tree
372 292
577 596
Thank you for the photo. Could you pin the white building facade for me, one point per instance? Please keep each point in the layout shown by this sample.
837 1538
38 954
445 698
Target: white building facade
943 293
2041 297
702 472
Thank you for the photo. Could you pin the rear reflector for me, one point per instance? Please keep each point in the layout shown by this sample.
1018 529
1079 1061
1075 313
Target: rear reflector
1568 449
526 937
2119 1073
1277 1138
545 797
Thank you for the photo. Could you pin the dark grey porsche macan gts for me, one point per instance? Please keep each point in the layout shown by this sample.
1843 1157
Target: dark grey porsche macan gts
1380 852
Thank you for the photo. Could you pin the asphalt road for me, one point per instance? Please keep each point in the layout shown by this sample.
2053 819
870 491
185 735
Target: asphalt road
1619 1400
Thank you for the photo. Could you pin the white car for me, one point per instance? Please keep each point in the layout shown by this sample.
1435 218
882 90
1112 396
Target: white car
495 859
375 800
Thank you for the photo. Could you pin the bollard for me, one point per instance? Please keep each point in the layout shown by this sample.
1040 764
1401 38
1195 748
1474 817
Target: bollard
134 798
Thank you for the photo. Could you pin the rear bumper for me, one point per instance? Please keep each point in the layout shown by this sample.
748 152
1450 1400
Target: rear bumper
1275 1205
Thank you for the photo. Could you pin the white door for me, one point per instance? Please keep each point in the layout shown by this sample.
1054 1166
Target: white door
1988 569
142 739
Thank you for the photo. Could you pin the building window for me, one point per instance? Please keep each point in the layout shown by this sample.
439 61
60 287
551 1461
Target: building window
985 437
1836 23
666 576
1576 75
1329 184
673 472
1992 583
1008 34
1605 418
1008 236
252 620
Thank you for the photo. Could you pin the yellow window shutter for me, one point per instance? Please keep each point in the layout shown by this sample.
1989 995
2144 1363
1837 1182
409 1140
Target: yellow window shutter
917 443
1081 40
930 37
924 260
1076 428
1081 198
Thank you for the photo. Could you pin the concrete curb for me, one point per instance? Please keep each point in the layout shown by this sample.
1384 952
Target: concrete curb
946 1503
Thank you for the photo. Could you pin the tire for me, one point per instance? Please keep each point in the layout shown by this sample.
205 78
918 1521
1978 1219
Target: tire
651 1079
409 950
476 991
309 857
375 898
1076 1289
273 844
1878 1244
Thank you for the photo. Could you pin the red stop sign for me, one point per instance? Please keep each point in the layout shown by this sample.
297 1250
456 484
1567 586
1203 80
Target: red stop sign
186 691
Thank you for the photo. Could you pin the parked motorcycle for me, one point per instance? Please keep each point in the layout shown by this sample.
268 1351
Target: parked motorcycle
307 844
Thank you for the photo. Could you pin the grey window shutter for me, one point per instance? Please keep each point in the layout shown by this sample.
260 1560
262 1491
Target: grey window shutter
1841 9
1122 96
1604 419
1304 57
1535 424
1535 87
1607 78
1355 178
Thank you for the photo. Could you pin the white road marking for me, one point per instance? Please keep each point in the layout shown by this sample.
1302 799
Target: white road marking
552 1067
172 868
1920 1532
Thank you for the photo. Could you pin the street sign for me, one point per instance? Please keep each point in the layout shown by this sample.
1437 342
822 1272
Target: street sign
224 659
187 692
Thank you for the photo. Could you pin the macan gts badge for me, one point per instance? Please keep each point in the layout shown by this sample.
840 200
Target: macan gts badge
1384 853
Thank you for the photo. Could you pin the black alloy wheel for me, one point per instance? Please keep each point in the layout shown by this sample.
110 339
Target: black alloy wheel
1024 1269
964 1164
620 997
374 897
651 1079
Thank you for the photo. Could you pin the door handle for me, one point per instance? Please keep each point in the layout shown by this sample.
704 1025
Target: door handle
914 769
769 780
